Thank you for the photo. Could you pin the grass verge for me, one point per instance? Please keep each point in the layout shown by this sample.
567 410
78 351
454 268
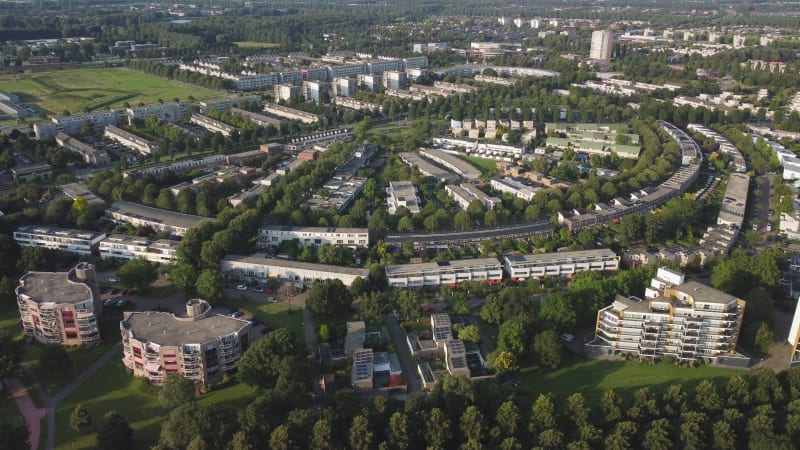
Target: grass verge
273 314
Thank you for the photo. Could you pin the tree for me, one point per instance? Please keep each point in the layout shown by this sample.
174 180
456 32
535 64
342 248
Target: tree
723 436
213 424
11 352
55 361
763 340
472 423
361 435
374 307
14 433
512 338
281 439
508 418
657 436
114 432
184 276
610 406
358 287
276 359
322 435
398 431
408 303
209 285
79 419
470 333
176 391
706 397
137 273
438 431
80 207
622 436
542 414
548 348
503 361
329 298
576 409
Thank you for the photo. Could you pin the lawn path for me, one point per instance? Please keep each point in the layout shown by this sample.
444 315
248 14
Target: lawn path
27 408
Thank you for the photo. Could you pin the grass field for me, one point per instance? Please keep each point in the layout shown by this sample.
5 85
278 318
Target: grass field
273 314
254 44
113 388
592 377
485 164
96 89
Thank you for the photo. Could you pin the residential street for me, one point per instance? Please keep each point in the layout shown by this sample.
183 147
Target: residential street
309 329
403 354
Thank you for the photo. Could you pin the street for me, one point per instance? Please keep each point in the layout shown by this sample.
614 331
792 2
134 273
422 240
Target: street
403 353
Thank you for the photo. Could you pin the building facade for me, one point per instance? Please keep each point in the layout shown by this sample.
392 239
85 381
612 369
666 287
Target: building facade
175 223
683 319
445 272
74 241
313 236
253 268
89 154
560 264
200 346
403 193
123 246
61 307
602 45
130 140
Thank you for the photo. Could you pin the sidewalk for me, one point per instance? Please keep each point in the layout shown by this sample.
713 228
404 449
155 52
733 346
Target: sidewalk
30 412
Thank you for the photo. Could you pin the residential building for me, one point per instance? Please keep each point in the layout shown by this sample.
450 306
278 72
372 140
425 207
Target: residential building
593 138
452 162
794 337
290 113
402 193
560 264
466 193
361 375
737 161
28 173
200 346
75 190
61 307
123 246
316 91
445 272
175 223
394 80
286 92
345 87
602 45
789 224
351 103
426 168
74 124
74 241
254 268
165 112
258 119
516 187
90 155
683 319
214 126
130 140
489 150
455 354
273 235
354 339
735 201
441 329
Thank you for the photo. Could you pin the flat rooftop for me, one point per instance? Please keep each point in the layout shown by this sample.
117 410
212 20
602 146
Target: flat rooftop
150 214
53 287
445 266
167 329
466 169
559 257
286 264
314 230
60 232
426 167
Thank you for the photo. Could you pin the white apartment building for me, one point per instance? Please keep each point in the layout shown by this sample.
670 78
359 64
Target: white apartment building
273 235
258 119
214 126
402 193
452 162
200 346
515 187
683 319
290 113
74 241
60 307
602 45
794 337
165 112
89 154
445 272
73 125
130 140
466 193
123 246
175 223
255 268
560 264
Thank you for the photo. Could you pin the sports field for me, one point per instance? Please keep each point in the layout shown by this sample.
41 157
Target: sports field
80 90
254 44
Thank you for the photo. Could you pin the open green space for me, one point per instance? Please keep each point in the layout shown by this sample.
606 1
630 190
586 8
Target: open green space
114 388
79 90
256 44
592 377
485 164
273 314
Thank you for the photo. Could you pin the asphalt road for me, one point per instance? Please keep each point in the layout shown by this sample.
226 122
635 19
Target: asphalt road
403 354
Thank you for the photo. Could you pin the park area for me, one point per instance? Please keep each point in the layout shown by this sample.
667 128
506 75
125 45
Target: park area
80 90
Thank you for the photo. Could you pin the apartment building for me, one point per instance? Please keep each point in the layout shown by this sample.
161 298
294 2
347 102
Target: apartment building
725 146
466 193
402 193
735 201
229 103
560 264
316 91
481 149
254 268
602 45
593 138
290 113
273 235
345 87
452 162
27 173
393 79
74 241
60 307
794 337
214 126
351 103
123 246
427 168
130 140
445 272
683 319
516 187
164 112
73 125
258 119
286 92
90 155
175 223
200 346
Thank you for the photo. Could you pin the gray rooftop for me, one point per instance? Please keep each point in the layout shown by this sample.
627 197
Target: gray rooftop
286 264
166 329
53 287
445 266
162 216
562 257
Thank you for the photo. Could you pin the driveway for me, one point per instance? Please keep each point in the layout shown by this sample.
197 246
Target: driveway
403 353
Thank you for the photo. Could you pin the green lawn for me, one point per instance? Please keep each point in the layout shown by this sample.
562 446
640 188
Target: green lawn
254 44
592 377
96 89
485 164
113 388
273 314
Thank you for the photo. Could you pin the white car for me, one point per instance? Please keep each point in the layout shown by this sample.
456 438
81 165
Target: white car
113 279
566 337
241 287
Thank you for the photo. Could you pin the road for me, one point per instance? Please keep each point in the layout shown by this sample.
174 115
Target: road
403 353
310 331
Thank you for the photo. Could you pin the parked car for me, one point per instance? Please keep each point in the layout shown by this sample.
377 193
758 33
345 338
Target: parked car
566 337
236 314
258 289
241 287
271 300
253 321
109 302
113 279
121 302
